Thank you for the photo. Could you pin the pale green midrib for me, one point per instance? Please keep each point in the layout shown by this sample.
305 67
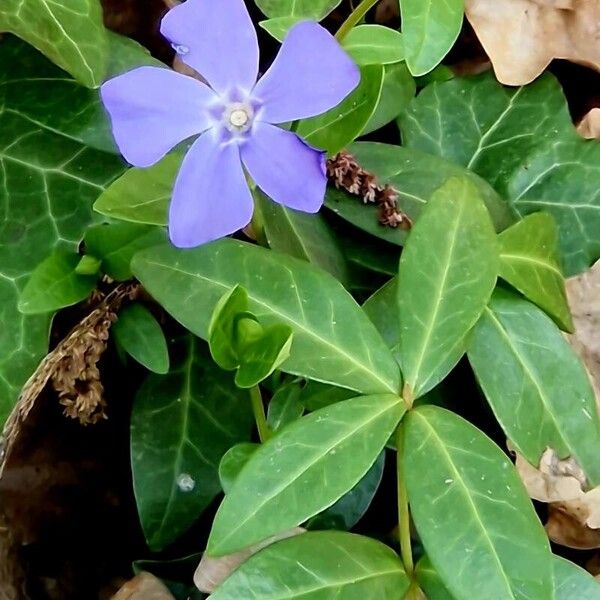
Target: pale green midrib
358 365
525 258
459 479
293 477
434 314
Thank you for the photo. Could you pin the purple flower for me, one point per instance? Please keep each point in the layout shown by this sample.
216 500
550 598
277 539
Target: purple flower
153 109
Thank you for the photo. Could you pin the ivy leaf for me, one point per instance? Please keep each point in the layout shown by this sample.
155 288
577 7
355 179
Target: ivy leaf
457 477
326 452
233 462
318 565
182 424
430 29
140 335
54 284
313 10
446 277
529 262
336 128
374 45
571 581
116 243
343 349
71 36
514 351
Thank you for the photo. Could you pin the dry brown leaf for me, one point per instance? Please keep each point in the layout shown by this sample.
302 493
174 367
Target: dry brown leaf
521 37
565 528
211 572
144 587
589 126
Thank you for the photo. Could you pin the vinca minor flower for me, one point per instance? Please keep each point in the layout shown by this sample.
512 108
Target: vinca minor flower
153 109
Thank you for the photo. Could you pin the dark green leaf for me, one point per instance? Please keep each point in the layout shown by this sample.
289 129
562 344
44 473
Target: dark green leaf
140 335
116 243
233 462
382 309
319 565
430 582
182 424
314 10
535 383
573 583
447 274
472 512
317 395
54 284
326 452
334 341
285 406
374 45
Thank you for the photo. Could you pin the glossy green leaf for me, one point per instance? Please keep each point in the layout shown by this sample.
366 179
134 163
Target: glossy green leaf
374 45
382 309
140 335
303 235
338 127
397 91
142 195
88 265
447 274
72 36
315 10
279 27
416 176
472 511
182 424
319 565
316 395
529 262
285 406
116 243
573 583
535 383
351 507
430 582
54 284
430 28
326 452
233 461
344 348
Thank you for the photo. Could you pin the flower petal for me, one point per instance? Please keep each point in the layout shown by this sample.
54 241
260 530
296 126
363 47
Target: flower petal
310 75
211 198
218 39
153 109
286 168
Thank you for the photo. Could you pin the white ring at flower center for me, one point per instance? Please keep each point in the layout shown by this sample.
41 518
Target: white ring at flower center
239 117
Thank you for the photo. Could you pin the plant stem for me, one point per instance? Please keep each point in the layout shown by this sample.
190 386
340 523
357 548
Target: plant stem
264 433
403 512
355 17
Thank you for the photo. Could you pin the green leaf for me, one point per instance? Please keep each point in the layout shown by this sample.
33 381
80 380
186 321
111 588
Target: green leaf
447 274
572 582
374 45
397 91
72 36
55 284
140 335
285 406
314 10
430 28
336 128
351 507
382 309
416 176
88 265
430 582
303 235
343 349
472 512
514 351
316 395
116 243
326 452
529 262
563 179
319 565
279 27
182 424
233 462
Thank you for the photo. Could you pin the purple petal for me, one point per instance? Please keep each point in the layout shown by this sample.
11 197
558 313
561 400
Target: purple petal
286 168
310 75
211 198
153 109
218 39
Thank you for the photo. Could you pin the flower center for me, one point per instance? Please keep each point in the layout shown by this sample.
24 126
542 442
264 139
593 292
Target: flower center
238 117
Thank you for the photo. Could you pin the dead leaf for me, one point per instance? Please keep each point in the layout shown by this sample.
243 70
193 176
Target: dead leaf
565 527
144 587
211 572
522 37
589 126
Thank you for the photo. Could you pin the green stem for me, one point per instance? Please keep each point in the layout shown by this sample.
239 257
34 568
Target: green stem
355 18
403 511
264 433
